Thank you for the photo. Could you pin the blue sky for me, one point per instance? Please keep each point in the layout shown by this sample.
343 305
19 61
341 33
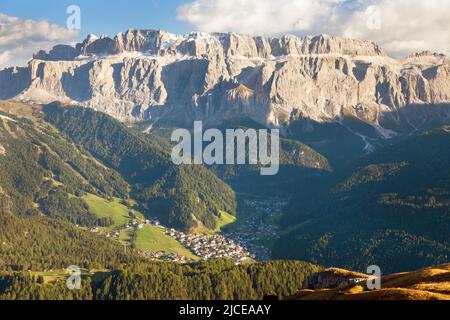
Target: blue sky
102 16
399 26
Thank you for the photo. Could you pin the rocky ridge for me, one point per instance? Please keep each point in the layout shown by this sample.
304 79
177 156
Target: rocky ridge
153 75
332 284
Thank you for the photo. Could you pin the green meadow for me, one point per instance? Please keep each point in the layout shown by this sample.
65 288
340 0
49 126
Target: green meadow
153 239
114 209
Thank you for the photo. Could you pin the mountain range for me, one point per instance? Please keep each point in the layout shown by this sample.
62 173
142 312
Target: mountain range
155 76
364 167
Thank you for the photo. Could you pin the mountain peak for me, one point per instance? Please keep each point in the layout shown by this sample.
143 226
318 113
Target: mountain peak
157 41
91 38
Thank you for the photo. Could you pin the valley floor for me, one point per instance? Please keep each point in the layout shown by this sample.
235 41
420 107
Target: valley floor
242 240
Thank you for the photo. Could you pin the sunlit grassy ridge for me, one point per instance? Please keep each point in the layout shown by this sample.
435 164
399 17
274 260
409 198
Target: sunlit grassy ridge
224 220
114 209
426 284
20 109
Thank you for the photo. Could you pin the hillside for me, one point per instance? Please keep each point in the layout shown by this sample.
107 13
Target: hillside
426 284
42 172
103 157
299 165
388 208
39 243
393 210
205 280
178 195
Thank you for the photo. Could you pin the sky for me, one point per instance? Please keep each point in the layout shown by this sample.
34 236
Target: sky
100 16
399 26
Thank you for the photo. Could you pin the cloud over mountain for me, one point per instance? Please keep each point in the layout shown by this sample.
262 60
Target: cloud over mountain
20 38
400 26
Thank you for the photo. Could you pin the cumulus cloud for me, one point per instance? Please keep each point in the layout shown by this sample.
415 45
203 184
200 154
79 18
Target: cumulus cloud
19 38
400 26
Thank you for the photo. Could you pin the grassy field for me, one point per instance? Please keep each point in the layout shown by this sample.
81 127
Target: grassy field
51 276
21 110
115 209
224 220
150 238
61 274
125 237
153 239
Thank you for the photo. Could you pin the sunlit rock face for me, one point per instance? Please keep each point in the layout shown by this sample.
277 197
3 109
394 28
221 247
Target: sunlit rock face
154 75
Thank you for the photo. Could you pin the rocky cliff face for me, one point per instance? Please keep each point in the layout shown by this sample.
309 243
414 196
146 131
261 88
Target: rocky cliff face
153 75
334 278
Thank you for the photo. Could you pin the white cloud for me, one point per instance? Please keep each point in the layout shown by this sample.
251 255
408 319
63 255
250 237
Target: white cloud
19 38
400 26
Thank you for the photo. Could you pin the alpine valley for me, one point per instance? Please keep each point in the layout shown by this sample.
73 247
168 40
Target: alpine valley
86 176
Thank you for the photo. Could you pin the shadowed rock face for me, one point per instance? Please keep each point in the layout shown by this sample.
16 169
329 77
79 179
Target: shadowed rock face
153 75
334 278
13 81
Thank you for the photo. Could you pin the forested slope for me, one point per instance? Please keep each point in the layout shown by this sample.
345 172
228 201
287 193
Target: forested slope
391 208
178 194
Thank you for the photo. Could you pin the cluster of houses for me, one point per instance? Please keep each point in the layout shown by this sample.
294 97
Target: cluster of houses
113 235
268 207
212 246
132 224
136 224
95 230
259 252
259 227
239 244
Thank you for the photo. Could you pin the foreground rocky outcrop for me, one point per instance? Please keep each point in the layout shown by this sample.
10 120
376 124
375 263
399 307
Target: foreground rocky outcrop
333 278
336 284
153 75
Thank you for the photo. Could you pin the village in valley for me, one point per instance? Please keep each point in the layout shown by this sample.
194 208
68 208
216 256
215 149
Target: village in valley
203 246
241 243
213 246
259 227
